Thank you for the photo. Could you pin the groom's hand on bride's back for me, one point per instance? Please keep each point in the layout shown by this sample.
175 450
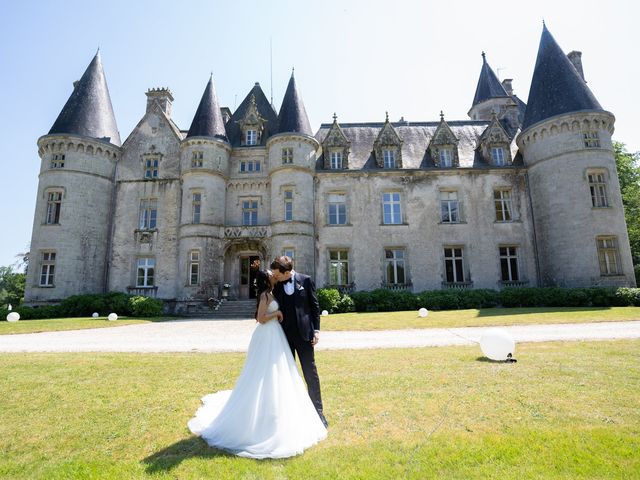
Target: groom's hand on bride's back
279 316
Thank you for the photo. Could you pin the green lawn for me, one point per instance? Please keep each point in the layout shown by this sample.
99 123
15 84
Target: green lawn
55 324
477 318
565 410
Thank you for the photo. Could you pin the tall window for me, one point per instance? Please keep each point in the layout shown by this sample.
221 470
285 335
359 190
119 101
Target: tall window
287 156
598 187
54 204
337 209
446 157
194 267
57 160
47 269
247 166
196 205
608 256
336 160
289 252
453 265
151 167
502 201
449 207
146 272
509 264
249 212
591 139
148 214
251 137
197 160
338 267
497 156
288 205
395 272
389 157
391 208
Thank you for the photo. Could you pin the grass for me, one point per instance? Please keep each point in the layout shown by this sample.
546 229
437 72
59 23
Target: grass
565 410
476 318
59 324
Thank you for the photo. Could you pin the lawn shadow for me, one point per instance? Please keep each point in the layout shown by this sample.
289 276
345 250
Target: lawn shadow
171 456
488 360
493 312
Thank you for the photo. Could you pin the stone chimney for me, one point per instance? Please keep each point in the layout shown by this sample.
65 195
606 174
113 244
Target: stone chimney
162 96
506 84
576 58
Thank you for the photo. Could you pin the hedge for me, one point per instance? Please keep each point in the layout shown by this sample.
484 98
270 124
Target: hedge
382 300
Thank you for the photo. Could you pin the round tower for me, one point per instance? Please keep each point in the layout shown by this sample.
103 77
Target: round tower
292 155
204 169
71 229
575 196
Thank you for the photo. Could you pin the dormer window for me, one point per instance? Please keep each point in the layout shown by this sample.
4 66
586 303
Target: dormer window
591 139
497 156
336 160
251 137
446 157
389 158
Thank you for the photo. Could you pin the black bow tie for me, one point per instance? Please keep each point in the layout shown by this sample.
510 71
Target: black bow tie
289 281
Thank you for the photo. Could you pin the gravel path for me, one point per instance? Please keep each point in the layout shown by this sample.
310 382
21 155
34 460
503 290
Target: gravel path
234 336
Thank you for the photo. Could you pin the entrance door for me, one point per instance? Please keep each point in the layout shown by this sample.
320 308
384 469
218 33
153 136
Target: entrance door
247 277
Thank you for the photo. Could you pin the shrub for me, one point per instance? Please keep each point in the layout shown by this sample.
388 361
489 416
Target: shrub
82 305
481 298
362 301
345 305
146 307
328 298
117 302
439 300
627 297
636 270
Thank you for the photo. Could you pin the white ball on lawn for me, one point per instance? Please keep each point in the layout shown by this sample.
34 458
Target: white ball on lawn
423 312
324 313
95 315
497 344
112 317
13 317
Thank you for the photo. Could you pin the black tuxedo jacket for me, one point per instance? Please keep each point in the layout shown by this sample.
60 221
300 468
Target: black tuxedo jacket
306 304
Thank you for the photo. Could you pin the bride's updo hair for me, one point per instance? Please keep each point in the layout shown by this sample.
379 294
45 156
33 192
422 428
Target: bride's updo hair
262 283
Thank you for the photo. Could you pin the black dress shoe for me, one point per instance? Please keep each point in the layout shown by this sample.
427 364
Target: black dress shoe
324 420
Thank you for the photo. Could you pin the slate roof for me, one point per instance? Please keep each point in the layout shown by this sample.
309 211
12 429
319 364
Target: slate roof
207 121
488 84
416 137
88 111
556 86
293 116
266 111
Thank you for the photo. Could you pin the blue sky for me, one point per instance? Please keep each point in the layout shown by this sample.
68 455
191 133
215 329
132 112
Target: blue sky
356 58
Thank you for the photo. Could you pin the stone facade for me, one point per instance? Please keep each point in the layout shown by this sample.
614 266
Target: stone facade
480 203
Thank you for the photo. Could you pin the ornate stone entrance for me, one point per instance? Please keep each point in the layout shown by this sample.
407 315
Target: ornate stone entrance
238 257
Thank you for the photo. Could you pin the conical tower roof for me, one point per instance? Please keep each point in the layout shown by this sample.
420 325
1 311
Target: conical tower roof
88 111
556 86
207 121
293 116
488 84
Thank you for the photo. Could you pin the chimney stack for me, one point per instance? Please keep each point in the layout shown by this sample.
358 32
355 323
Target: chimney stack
506 84
162 96
576 58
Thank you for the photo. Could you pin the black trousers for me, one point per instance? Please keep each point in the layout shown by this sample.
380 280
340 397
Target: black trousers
306 353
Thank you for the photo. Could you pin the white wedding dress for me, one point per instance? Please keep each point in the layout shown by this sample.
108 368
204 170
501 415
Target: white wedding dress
268 414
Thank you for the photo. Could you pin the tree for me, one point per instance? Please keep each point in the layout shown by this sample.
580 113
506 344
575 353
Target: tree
628 166
11 286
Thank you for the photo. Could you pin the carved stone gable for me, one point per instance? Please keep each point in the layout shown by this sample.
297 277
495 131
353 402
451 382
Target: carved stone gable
444 145
252 120
336 146
495 137
388 139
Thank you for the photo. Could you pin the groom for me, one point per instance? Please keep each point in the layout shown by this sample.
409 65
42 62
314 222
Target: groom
296 294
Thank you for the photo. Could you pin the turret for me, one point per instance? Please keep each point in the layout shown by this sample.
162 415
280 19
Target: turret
204 165
71 228
575 195
292 157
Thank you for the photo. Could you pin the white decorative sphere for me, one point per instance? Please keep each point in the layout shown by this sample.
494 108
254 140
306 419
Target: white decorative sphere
95 315
13 317
423 312
497 344
112 317
324 313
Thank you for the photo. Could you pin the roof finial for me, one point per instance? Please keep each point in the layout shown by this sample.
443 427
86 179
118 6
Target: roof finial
293 69
387 115
335 117
441 116
484 59
211 76
98 51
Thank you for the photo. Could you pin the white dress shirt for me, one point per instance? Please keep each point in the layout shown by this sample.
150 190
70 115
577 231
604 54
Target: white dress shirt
290 286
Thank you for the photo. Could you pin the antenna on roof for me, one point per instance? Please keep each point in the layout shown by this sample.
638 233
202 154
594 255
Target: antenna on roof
271 65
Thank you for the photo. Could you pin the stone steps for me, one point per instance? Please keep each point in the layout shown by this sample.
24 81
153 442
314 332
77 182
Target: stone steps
227 310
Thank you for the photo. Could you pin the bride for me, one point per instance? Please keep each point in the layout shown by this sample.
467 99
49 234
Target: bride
268 414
